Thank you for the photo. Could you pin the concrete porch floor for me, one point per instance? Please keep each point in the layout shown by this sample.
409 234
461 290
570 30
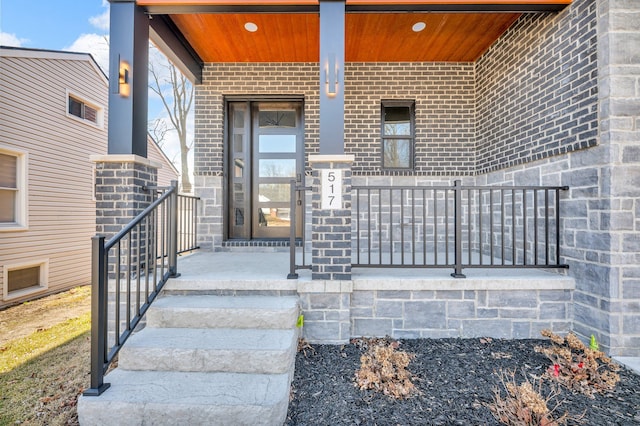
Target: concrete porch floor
274 266
267 271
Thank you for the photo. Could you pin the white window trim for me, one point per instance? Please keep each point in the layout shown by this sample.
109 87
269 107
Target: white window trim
94 105
44 279
22 210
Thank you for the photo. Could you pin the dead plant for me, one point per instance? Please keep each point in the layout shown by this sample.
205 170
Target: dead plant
578 367
304 345
524 405
384 368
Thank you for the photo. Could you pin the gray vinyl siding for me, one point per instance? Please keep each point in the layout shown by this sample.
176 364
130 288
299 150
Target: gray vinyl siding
60 205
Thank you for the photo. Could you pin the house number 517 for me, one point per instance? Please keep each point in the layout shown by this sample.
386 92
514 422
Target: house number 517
331 186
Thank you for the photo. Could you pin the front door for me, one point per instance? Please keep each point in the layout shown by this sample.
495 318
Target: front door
265 153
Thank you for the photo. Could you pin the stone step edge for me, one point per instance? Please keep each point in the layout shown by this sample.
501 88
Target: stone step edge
152 354
141 397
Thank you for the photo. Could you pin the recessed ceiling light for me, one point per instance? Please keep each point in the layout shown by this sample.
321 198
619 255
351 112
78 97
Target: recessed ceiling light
251 27
418 26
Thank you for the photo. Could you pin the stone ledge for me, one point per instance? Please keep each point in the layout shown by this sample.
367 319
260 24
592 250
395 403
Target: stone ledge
546 283
124 158
319 158
359 284
188 285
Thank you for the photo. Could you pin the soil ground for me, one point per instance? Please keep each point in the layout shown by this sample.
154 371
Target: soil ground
456 379
28 317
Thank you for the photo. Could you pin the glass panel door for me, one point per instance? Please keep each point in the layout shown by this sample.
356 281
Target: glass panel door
277 154
265 149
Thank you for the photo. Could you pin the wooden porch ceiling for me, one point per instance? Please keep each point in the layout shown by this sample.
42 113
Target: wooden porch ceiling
376 30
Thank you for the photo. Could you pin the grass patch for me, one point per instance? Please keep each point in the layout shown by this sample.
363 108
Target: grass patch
17 352
45 358
44 390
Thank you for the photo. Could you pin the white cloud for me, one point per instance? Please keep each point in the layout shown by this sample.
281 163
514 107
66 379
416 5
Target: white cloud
97 45
7 39
101 21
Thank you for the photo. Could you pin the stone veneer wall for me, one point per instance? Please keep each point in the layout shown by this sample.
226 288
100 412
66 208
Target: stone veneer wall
516 313
408 307
618 294
600 211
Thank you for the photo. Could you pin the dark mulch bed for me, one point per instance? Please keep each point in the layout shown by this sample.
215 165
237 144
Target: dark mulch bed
456 378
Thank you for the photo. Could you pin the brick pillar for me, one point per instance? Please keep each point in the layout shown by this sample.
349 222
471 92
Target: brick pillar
119 190
326 299
331 217
121 194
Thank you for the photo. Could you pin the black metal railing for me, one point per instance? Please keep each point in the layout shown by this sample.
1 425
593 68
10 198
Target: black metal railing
297 199
456 227
187 223
129 270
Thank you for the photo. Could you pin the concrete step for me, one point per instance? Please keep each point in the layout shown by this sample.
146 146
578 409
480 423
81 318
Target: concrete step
203 359
261 312
262 351
187 398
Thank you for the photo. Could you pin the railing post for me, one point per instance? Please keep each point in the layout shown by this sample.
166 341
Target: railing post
292 231
99 299
457 212
173 230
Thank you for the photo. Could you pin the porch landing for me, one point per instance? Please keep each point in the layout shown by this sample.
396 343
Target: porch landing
267 271
401 303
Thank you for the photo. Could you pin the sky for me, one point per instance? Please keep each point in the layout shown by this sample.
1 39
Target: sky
74 25
70 25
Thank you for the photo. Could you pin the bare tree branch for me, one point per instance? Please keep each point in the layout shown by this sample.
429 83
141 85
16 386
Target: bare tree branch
176 94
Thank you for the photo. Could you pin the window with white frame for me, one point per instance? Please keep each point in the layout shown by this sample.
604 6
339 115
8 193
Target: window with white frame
398 134
88 112
23 279
13 189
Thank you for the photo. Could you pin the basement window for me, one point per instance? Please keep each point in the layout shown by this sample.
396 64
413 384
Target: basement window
24 279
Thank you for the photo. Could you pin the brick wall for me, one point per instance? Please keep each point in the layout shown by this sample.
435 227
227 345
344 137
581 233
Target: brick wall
120 197
119 194
444 114
532 95
331 228
537 89
444 119
443 92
